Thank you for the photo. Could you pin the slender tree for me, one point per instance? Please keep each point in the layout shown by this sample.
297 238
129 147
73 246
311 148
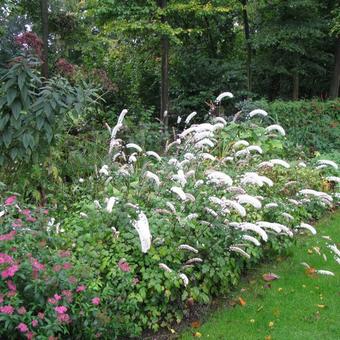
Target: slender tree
247 41
44 22
335 83
165 45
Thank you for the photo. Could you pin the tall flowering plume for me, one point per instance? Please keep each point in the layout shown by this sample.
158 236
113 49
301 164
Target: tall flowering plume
258 112
222 96
142 227
239 251
328 163
219 178
277 128
191 116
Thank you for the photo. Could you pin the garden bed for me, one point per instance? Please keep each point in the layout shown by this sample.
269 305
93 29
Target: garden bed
150 236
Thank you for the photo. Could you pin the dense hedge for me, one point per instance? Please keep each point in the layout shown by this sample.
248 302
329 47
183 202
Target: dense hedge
310 123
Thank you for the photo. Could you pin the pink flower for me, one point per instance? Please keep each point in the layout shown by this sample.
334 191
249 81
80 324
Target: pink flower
4 258
34 323
57 297
21 310
67 265
45 212
57 268
67 293
52 301
6 309
10 271
22 327
96 301
10 200
41 316
123 265
11 293
64 318
11 285
17 223
30 219
135 280
72 279
80 288
26 212
1 298
8 237
29 335
36 265
61 309
64 253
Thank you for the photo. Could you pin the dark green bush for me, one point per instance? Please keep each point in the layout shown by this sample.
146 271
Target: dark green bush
313 124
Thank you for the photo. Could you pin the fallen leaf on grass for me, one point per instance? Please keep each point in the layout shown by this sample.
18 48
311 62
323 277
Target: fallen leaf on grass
321 306
268 337
196 324
197 334
270 277
242 302
271 324
310 271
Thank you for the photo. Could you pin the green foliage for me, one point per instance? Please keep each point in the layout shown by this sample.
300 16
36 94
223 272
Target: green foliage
32 111
312 125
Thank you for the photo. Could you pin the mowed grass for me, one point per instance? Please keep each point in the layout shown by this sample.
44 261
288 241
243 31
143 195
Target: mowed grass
299 305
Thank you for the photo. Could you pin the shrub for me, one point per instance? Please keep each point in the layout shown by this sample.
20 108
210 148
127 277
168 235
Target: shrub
195 222
32 110
312 124
154 235
41 290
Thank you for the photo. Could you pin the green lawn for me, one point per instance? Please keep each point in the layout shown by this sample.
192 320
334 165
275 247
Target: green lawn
296 306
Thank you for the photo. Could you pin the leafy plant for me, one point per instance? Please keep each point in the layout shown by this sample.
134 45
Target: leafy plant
32 111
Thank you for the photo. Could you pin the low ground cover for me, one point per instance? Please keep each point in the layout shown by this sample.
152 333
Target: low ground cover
300 304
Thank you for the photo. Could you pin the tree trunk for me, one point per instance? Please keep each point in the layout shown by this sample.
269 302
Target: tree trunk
44 22
165 73
335 82
296 86
248 44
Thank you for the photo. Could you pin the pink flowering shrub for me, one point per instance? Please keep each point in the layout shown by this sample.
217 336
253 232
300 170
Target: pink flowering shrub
42 292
